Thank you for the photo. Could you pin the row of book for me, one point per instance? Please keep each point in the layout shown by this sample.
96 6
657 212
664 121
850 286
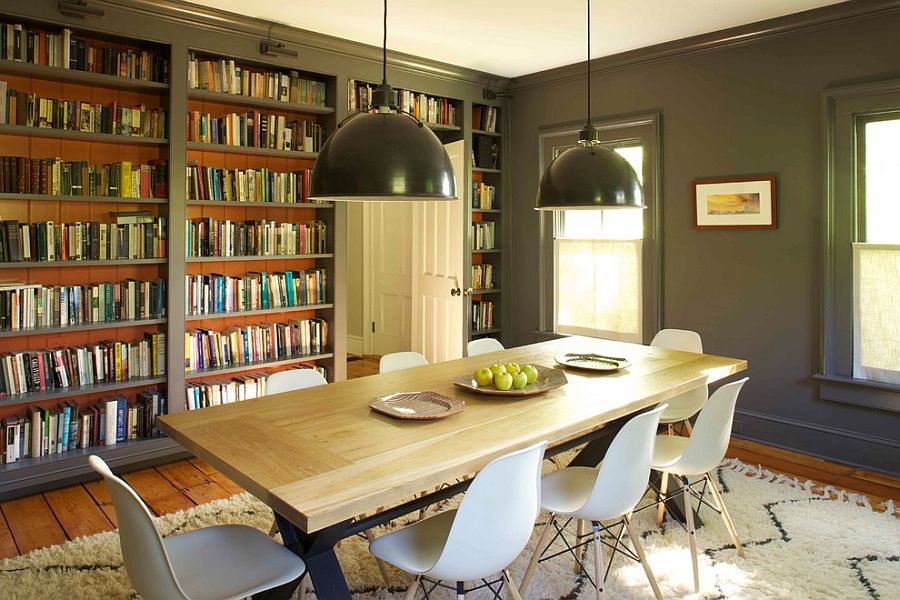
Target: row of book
64 50
484 196
430 109
237 389
216 293
226 238
23 175
483 235
25 306
30 110
83 240
483 276
255 129
46 431
485 118
227 77
104 362
247 185
482 315
249 344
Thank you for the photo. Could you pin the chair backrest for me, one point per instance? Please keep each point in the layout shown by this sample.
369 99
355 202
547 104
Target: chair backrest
401 360
293 379
143 552
688 403
483 346
625 470
712 432
495 518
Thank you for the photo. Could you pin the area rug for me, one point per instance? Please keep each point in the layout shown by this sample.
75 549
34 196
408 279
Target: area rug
799 544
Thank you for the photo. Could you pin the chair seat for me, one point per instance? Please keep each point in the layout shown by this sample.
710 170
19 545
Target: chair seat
230 561
564 492
667 452
417 547
677 414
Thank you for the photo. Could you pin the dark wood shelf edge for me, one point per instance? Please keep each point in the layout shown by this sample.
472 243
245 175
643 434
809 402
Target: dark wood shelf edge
266 311
6 333
225 98
228 148
76 75
69 134
80 390
199 374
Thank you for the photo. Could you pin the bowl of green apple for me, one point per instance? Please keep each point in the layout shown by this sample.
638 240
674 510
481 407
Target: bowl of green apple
511 379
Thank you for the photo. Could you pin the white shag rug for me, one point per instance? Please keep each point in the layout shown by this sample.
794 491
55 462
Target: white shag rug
798 545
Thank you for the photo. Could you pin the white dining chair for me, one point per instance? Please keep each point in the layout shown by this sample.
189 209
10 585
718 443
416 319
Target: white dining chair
686 405
401 360
293 379
213 563
699 454
604 493
483 346
480 538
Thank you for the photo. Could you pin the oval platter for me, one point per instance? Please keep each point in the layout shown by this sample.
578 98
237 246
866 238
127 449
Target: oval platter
592 362
548 378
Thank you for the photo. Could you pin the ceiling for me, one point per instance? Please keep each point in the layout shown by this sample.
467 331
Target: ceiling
514 37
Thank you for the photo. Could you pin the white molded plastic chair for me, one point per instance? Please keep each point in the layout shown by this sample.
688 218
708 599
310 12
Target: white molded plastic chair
483 346
220 562
293 379
479 539
698 455
686 405
401 360
603 493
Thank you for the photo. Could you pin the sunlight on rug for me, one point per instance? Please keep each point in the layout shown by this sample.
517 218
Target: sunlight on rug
799 545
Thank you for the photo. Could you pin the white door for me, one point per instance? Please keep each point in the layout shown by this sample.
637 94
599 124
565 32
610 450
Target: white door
437 266
387 277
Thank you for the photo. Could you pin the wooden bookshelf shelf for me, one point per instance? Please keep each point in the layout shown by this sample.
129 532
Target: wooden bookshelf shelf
76 76
79 390
92 199
87 136
81 263
486 291
487 251
250 150
490 133
494 211
256 365
264 311
199 259
485 170
477 332
78 455
441 127
6 333
237 99
260 204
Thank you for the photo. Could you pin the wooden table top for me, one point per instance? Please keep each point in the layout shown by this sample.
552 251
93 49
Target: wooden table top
319 456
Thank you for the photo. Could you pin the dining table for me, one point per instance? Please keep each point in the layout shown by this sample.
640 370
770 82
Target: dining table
331 467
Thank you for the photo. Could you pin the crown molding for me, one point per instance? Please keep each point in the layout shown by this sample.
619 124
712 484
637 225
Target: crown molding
213 19
734 36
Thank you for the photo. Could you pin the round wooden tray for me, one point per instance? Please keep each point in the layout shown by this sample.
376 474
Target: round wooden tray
547 379
418 406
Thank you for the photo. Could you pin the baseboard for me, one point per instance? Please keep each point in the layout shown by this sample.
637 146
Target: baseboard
852 448
355 345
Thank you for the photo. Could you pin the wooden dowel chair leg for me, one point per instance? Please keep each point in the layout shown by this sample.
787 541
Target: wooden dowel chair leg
273 530
729 525
370 537
411 590
687 426
661 510
692 534
598 563
555 460
513 590
639 549
579 552
538 550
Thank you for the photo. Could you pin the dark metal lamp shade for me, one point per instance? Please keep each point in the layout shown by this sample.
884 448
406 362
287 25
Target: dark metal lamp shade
589 176
382 156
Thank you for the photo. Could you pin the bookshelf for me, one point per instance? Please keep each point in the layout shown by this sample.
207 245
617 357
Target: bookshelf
486 233
440 114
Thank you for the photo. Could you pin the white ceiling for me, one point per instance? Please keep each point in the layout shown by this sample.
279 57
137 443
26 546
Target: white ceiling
514 37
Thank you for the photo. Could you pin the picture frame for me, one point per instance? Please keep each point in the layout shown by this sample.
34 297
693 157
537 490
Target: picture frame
735 202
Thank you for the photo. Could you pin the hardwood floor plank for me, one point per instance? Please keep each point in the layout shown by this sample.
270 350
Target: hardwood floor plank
77 512
32 523
98 491
192 482
158 492
201 464
230 486
7 543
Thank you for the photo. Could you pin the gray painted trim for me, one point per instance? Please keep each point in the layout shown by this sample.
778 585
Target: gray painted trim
842 433
735 36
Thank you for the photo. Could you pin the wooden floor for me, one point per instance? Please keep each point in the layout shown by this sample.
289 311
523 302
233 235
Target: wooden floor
59 515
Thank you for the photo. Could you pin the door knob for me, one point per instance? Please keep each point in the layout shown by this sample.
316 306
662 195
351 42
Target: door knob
455 291
468 292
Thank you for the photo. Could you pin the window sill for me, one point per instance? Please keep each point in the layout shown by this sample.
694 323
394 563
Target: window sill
859 392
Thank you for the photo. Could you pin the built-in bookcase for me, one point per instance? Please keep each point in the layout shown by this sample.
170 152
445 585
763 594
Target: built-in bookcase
442 115
485 199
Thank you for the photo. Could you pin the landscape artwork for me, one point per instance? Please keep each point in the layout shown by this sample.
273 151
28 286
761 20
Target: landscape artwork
744 202
732 204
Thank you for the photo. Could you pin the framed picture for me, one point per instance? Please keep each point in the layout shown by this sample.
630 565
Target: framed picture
735 203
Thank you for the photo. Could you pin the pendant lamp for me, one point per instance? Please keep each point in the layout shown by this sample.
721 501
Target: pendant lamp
589 175
385 155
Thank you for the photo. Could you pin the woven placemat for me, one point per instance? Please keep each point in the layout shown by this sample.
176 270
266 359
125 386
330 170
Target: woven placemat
417 405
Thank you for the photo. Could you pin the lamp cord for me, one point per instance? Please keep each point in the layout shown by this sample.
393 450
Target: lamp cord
384 48
588 61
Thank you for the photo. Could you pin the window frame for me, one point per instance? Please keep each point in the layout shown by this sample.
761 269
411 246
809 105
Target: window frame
644 128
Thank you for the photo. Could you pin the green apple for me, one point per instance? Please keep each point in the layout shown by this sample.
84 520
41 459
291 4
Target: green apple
520 380
531 372
512 368
497 368
484 377
503 381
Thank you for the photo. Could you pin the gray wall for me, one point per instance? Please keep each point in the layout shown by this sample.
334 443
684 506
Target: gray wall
746 109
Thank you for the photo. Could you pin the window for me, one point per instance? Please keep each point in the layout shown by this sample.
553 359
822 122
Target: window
600 268
861 324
